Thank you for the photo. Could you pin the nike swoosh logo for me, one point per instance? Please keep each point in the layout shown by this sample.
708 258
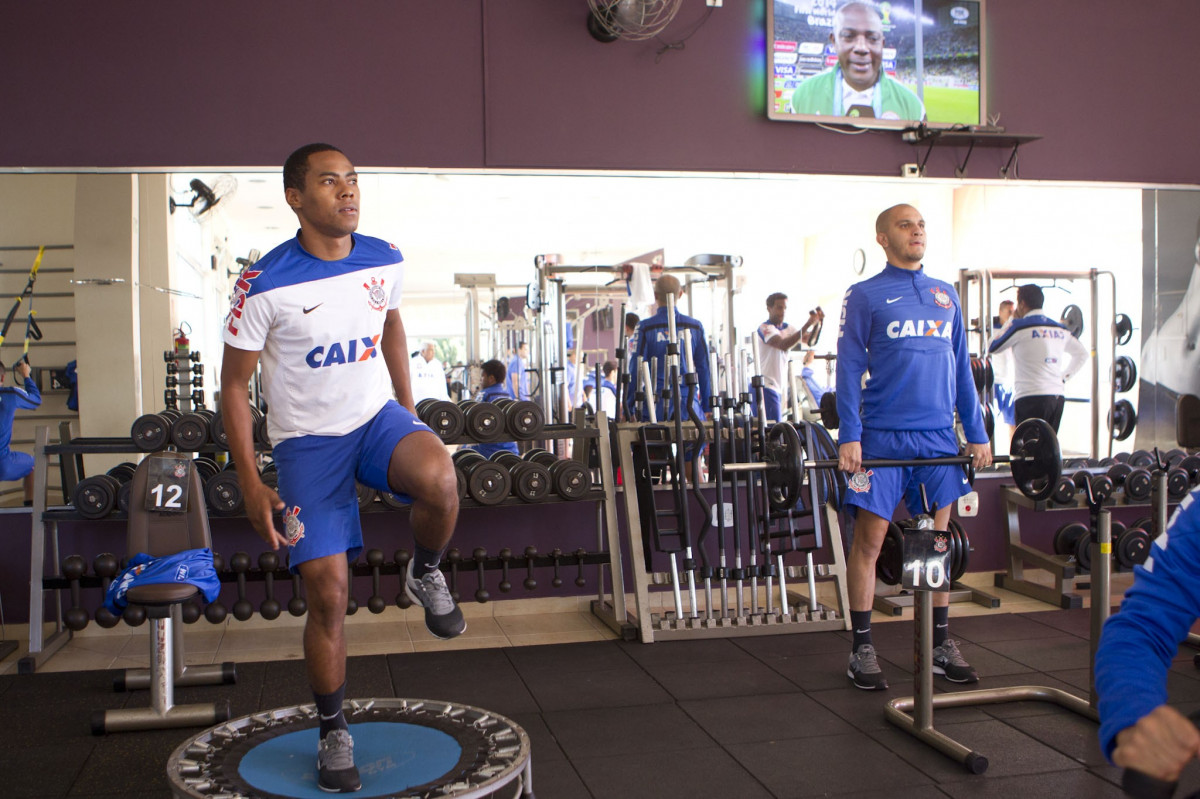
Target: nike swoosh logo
889 302
315 307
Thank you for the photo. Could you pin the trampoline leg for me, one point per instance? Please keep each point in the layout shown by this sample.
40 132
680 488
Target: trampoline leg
527 779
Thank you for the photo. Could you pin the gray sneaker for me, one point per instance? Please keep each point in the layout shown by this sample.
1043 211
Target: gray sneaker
335 763
948 662
864 669
442 616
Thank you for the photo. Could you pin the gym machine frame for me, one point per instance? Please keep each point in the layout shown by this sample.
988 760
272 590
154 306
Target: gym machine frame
983 278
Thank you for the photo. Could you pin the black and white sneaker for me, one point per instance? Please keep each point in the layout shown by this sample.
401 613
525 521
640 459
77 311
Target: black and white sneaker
948 662
335 763
864 669
442 616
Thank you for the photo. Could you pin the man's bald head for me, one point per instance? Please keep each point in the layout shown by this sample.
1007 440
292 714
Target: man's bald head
666 286
884 219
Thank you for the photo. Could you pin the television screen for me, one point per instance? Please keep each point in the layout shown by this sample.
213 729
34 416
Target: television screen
888 64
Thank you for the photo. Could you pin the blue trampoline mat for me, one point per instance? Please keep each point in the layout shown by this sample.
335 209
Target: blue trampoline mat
391 757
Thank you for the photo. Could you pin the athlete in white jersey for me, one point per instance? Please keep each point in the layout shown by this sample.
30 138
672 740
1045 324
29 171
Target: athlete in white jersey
1039 345
777 340
321 312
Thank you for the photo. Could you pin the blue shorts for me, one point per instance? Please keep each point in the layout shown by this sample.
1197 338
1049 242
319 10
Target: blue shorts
879 490
15 465
316 482
771 403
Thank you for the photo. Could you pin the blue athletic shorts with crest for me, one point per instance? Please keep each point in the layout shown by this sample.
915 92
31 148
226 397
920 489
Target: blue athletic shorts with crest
879 490
316 482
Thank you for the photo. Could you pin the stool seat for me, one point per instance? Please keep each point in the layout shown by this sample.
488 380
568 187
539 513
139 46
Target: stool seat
161 594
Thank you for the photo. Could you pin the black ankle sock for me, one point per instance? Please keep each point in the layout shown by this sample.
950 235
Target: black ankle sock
424 560
860 621
941 626
329 707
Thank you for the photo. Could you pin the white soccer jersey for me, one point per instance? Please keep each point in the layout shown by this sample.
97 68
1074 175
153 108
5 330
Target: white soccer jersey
1038 345
772 361
318 325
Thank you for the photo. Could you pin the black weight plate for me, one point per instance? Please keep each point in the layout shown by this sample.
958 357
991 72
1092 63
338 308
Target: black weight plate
443 417
571 480
1118 472
1174 457
1133 548
390 500
207 467
464 456
1178 483
1067 536
150 432
223 494
1124 374
1141 458
1036 461
216 431
189 432
989 422
1122 328
1122 419
365 494
1138 485
1083 552
1064 491
123 494
260 431
524 420
484 422
1102 487
530 481
460 481
94 497
488 483
891 555
1072 319
829 412
785 478
977 373
1191 465
123 472
964 555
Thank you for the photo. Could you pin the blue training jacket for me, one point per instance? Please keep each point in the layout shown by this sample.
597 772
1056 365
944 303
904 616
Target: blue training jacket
1138 643
13 399
651 342
906 329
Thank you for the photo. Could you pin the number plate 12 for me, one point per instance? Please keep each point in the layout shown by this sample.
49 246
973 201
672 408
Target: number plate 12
167 480
926 560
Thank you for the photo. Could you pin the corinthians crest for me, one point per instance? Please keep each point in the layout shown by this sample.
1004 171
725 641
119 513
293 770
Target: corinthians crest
860 481
376 298
941 297
293 528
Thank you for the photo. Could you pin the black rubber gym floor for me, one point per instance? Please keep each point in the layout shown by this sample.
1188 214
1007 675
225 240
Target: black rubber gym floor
751 717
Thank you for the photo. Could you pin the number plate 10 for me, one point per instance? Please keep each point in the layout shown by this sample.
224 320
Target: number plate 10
926 560
167 480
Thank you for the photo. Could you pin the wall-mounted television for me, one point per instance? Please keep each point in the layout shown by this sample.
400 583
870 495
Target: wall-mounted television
887 64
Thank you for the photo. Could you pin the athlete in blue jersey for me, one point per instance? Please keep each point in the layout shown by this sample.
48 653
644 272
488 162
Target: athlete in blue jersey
17 465
904 328
651 343
518 374
493 389
322 314
1137 728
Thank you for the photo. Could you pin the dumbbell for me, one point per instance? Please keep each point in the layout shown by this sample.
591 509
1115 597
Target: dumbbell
393 501
190 431
481 592
123 472
215 611
1191 465
484 421
375 603
571 479
530 481
206 468
1179 482
366 495
73 568
223 493
270 609
1142 458
106 567
1067 536
1138 484
444 418
242 608
1133 546
351 602
487 483
150 432
95 497
1064 491
1117 472
402 557
260 427
1102 484
523 419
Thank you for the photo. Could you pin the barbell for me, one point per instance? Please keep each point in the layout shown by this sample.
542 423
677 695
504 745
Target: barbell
1034 457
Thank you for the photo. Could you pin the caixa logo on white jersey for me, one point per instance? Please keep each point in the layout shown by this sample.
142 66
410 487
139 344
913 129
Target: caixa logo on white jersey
912 328
356 349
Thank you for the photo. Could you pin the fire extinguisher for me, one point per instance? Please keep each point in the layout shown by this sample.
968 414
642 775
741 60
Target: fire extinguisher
182 352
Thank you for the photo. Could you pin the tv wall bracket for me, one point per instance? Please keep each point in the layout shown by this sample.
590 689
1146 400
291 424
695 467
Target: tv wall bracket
968 138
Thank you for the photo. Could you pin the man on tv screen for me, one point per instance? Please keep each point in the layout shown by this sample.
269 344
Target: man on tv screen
857 86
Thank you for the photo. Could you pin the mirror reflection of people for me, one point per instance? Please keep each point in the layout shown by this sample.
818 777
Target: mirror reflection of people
493 387
776 339
906 329
427 374
1039 346
857 86
22 397
518 372
631 323
1002 368
321 313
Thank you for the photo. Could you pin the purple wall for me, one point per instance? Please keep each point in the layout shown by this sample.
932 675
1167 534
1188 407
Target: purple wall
519 83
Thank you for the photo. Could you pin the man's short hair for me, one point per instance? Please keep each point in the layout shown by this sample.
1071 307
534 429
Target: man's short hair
295 168
631 320
1031 294
885 217
774 298
1006 303
609 367
495 370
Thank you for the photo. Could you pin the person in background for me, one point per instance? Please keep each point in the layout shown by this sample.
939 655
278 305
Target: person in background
26 397
806 374
493 387
427 375
518 375
652 337
906 329
631 323
776 340
1002 368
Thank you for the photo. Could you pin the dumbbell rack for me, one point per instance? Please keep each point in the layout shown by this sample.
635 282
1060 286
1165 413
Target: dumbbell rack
805 613
1062 593
187 371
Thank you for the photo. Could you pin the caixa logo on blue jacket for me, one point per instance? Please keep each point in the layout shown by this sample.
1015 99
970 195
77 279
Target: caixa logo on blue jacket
356 349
